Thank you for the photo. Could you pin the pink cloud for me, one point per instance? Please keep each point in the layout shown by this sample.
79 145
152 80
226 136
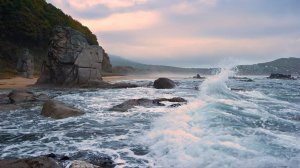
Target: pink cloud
123 21
111 4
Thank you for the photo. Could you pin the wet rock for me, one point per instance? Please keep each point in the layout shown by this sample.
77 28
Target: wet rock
82 164
128 104
18 96
36 162
164 83
94 158
65 158
198 77
243 79
25 65
41 97
59 110
71 60
281 76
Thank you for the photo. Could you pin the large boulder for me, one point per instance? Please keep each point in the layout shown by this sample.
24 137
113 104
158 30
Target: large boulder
37 162
71 60
59 110
164 83
25 65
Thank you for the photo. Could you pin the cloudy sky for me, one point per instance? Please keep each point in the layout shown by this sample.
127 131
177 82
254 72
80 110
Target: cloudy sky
192 33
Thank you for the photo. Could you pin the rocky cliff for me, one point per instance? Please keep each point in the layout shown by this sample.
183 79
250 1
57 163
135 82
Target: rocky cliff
71 60
28 24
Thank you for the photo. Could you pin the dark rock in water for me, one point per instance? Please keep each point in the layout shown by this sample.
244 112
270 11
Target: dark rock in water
65 158
71 60
145 103
25 65
59 110
164 83
18 96
237 89
51 155
82 164
95 158
243 79
198 77
36 162
41 97
175 105
281 76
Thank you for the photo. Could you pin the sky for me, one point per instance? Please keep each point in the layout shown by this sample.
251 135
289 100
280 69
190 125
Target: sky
192 33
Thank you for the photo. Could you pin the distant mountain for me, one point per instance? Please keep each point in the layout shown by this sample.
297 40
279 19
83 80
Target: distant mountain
122 65
283 65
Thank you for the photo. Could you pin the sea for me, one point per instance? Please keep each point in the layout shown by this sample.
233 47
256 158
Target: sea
226 123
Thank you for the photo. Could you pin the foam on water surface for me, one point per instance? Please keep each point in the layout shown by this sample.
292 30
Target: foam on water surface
218 127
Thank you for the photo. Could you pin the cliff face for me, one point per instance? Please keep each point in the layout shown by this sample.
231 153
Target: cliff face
71 60
29 24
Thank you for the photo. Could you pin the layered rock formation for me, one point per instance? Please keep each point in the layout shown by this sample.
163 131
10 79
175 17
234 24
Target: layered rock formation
25 65
71 60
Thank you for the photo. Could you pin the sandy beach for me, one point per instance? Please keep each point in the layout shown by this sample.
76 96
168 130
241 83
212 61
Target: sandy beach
20 82
17 83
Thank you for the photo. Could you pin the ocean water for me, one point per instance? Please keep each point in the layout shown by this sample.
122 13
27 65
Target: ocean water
256 126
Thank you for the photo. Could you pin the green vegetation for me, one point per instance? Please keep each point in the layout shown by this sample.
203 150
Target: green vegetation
29 24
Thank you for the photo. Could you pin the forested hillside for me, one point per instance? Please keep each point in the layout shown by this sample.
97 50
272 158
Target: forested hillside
28 24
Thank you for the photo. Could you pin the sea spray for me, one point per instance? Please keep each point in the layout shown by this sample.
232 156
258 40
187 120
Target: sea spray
221 129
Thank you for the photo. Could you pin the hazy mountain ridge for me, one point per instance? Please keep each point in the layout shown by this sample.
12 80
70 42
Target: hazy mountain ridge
124 64
283 65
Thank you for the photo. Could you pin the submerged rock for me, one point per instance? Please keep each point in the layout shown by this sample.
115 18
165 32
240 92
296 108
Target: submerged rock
164 83
59 110
36 162
128 104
